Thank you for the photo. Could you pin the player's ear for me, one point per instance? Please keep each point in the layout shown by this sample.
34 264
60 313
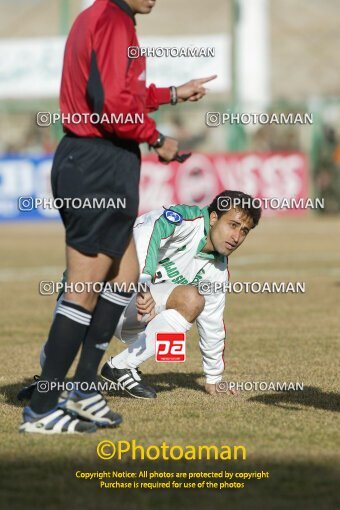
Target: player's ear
213 218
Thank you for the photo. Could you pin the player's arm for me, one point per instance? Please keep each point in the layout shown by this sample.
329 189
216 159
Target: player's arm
212 339
153 231
150 236
156 96
193 90
109 92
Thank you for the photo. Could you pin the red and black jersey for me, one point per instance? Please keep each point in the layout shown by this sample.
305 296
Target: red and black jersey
99 77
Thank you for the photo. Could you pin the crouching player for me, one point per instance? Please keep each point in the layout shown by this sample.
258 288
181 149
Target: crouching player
178 248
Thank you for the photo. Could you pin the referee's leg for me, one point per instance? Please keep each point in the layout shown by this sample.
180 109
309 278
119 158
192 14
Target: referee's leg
70 325
97 239
107 313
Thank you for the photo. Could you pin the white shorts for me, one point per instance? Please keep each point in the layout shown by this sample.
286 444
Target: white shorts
128 326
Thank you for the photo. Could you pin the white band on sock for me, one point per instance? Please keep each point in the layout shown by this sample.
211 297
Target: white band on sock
74 314
113 297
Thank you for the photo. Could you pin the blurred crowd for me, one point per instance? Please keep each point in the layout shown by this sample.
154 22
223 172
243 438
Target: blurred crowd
321 142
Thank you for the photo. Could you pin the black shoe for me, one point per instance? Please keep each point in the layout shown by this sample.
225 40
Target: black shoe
27 391
127 380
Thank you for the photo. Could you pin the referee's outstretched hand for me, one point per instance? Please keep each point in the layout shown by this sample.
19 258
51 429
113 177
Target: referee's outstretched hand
168 150
193 90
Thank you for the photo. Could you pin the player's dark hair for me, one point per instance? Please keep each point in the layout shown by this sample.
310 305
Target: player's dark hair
229 199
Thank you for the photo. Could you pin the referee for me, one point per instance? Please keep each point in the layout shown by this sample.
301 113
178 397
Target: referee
98 158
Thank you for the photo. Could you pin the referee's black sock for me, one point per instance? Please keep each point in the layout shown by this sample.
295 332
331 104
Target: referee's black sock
66 335
106 315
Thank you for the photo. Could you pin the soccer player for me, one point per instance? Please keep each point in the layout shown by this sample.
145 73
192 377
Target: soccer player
178 248
98 159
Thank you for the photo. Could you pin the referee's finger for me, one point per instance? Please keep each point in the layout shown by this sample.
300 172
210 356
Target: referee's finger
200 90
197 96
205 80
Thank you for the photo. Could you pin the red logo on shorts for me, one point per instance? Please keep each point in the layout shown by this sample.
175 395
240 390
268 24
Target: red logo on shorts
170 347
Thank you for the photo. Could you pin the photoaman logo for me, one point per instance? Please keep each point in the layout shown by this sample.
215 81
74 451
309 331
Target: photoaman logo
108 450
170 347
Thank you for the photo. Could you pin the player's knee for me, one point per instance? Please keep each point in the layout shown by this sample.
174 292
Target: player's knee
126 277
125 284
87 300
187 301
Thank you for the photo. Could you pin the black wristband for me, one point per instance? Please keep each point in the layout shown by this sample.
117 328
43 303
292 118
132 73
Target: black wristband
159 142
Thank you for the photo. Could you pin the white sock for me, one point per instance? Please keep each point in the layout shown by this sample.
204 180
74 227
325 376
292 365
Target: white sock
119 361
144 347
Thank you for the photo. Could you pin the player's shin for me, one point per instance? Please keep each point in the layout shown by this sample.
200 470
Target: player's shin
104 322
66 335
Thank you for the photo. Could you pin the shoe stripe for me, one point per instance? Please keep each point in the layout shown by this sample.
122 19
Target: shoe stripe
52 425
87 402
102 412
60 424
135 374
51 417
72 425
128 381
131 386
120 379
71 315
96 407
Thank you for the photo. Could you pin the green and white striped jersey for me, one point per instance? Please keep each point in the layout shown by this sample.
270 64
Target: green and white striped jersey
169 245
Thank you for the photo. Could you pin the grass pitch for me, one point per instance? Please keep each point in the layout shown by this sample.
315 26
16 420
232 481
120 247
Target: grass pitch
285 337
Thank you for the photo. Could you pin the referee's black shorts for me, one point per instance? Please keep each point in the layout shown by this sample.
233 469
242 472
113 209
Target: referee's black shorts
88 168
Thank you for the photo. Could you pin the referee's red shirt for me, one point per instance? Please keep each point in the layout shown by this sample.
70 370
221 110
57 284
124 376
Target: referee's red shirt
99 77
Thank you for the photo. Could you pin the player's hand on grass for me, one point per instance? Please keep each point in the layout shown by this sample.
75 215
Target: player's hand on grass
193 90
212 389
145 305
169 149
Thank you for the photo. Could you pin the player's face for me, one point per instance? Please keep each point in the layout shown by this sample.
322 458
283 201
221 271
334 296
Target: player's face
141 6
228 233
